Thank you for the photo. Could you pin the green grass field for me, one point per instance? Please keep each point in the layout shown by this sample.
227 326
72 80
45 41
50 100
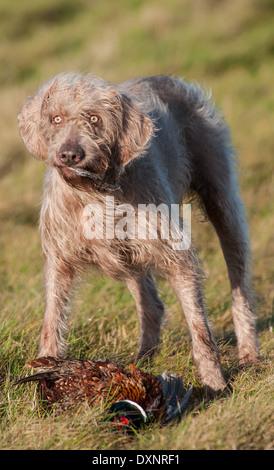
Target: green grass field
228 46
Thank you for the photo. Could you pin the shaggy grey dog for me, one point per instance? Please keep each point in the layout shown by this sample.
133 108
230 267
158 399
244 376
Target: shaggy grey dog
147 141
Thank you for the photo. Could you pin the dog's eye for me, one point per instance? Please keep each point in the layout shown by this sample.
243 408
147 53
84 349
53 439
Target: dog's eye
93 119
57 119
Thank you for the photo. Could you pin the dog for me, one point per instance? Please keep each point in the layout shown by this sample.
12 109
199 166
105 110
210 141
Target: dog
153 140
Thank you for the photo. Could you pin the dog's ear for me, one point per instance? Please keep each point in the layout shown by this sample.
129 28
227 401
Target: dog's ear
29 122
135 133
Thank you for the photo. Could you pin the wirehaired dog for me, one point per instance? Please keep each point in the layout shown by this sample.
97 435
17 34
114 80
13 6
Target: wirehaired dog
147 141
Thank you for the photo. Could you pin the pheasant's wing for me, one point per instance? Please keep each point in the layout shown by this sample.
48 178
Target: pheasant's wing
172 386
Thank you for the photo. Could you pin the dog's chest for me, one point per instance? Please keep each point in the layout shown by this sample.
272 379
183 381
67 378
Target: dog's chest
89 234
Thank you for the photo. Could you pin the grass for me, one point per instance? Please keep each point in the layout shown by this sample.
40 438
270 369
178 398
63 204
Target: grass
229 47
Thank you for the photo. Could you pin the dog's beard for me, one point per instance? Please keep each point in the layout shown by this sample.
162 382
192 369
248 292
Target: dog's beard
100 182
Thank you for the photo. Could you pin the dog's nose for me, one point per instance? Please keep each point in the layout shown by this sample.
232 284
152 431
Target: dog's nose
70 154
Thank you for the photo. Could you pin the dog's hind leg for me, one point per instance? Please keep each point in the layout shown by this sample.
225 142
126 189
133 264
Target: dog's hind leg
226 212
214 179
185 278
150 311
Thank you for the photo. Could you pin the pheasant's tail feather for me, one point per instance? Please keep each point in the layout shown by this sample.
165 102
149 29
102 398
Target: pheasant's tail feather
32 378
172 386
46 365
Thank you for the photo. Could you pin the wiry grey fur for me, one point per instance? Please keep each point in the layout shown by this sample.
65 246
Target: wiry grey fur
157 139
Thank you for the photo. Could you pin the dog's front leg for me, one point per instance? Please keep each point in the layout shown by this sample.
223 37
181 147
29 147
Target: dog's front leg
58 279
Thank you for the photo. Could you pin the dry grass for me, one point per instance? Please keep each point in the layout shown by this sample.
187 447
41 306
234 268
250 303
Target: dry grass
227 45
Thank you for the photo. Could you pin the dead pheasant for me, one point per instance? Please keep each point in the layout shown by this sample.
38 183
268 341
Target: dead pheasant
135 396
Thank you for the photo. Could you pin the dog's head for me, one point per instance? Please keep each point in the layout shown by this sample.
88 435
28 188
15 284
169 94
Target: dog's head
83 127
